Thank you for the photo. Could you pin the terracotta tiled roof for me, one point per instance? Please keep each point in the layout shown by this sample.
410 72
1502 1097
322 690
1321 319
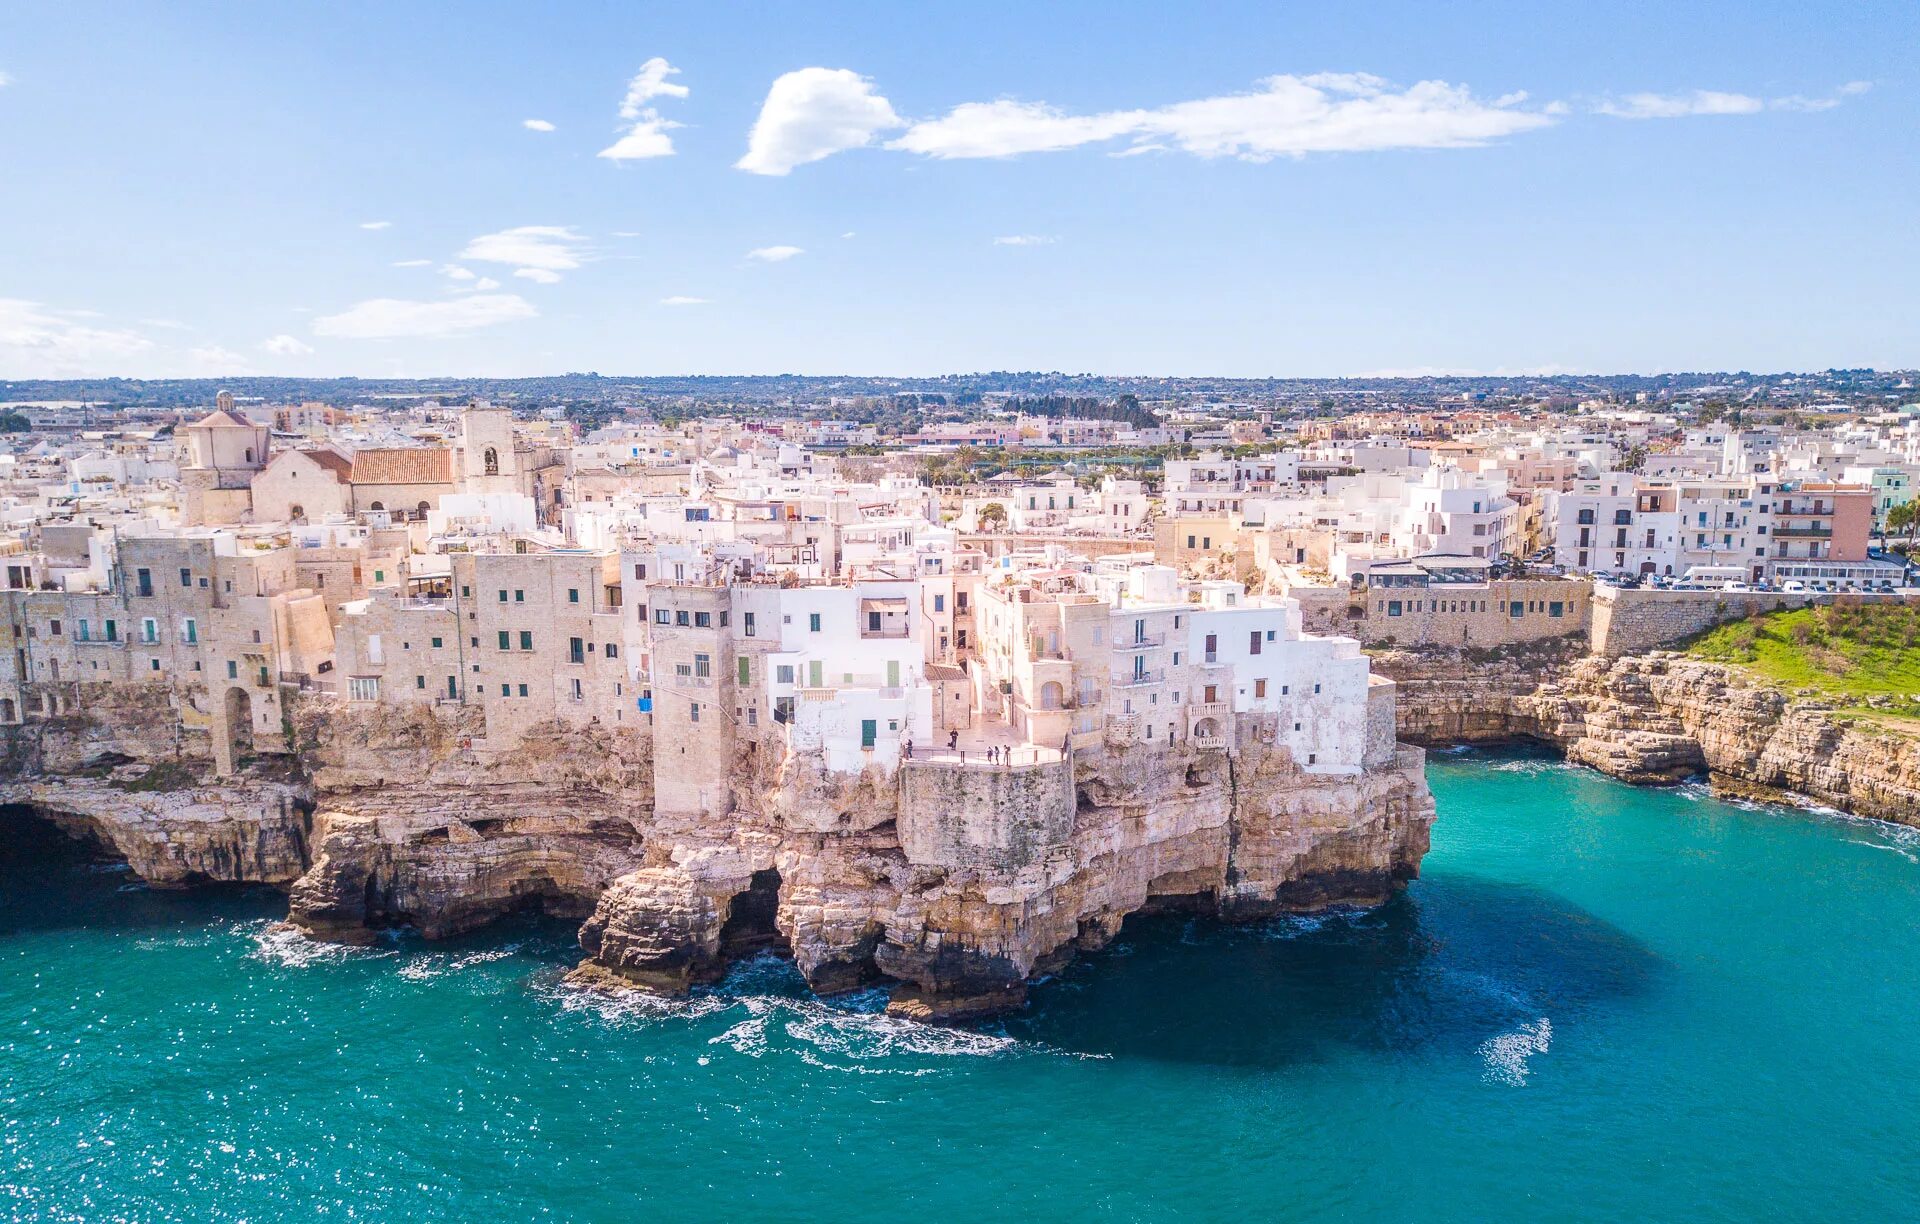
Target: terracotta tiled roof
222 420
403 465
332 461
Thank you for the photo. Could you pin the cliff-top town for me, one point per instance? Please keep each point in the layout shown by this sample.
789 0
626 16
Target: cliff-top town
936 700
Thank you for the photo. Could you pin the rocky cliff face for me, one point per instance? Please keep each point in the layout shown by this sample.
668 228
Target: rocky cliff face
956 883
960 883
1663 717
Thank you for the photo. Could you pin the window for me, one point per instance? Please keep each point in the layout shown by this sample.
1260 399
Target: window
662 617
746 625
190 628
576 650
1253 642
869 731
379 575
506 639
526 639
519 597
703 620
523 690
783 674
233 670
1213 648
364 688
1393 607
577 694
503 596
145 580
419 682
813 622
693 712
186 577
613 651
153 664
573 594
815 670
939 603
640 573
745 670
436 643
1259 688
506 690
1516 608
149 630
702 665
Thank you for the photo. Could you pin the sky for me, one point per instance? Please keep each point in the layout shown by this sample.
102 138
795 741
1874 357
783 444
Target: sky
1261 189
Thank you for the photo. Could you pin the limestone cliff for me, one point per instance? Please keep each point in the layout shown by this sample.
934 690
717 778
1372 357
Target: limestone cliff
961 882
957 883
1662 717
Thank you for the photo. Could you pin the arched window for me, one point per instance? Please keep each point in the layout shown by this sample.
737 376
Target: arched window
420 511
493 461
377 506
297 512
1050 695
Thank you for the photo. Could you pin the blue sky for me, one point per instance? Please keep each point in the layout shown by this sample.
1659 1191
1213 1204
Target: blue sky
1231 189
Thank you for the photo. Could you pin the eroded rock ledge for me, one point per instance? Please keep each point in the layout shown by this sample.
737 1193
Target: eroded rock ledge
955 883
1662 718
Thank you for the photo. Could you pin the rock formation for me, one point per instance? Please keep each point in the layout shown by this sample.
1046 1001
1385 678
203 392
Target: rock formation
957 883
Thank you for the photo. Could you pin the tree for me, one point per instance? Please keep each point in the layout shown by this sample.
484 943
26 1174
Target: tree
1904 517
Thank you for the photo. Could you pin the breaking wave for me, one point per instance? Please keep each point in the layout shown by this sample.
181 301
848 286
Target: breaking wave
1507 1056
284 946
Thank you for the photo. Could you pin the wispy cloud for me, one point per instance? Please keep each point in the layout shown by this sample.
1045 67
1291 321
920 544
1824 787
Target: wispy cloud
1284 116
376 225
1690 103
775 254
396 318
678 300
646 133
536 125
813 113
213 359
412 263
539 252
285 346
1023 240
39 341
5 80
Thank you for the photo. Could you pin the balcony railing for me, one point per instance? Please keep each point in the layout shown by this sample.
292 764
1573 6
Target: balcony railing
1804 533
1154 675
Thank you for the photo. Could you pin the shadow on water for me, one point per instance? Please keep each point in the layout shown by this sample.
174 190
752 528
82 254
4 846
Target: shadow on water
1447 966
50 882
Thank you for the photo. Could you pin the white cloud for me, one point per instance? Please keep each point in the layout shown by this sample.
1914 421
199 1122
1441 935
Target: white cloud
412 263
775 254
1680 105
1286 116
285 346
39 342
536 125
626 233
848 234
813 113
376 225
1714 102
679 300
395 318
212 359
1023 240
483 285
545 250
456 272
646 134
5 80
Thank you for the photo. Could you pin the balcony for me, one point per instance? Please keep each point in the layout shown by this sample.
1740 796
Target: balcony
1804 533
1212 743
1153 675
1145 642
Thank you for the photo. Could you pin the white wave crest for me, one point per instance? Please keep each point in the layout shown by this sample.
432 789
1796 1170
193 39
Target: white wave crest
433 965
1507 1055
283 945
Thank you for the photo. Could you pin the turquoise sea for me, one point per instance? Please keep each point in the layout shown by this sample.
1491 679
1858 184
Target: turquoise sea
1599 1003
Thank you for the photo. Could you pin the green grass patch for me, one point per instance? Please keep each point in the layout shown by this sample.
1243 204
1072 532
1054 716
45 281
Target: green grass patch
1848 651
